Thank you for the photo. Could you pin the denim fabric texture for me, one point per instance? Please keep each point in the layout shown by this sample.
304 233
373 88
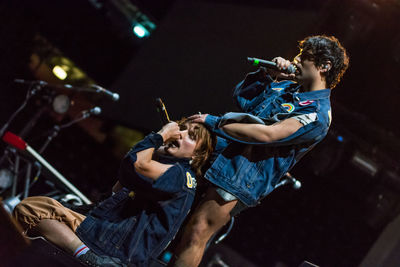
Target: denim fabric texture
250 170
138 222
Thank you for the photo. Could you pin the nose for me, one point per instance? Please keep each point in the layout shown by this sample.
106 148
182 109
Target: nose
183 134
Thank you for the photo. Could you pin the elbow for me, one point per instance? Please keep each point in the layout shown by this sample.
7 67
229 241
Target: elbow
264 138
141 166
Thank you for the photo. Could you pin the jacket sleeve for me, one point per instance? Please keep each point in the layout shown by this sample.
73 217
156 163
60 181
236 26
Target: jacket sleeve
309 132
128 176
253 85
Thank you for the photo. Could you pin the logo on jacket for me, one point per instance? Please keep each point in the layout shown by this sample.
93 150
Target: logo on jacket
288 106
190 181
306 103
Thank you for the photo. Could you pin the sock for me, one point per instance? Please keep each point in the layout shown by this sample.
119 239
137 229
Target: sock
82 249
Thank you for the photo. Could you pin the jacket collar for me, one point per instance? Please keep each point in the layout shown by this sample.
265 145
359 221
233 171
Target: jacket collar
314 95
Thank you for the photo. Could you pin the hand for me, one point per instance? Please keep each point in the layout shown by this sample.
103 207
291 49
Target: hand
282 64
170 132
200 118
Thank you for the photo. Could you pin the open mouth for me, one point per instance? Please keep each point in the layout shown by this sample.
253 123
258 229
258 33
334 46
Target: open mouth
173 144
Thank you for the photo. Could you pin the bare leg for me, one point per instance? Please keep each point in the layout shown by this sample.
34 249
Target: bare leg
209 216
59 234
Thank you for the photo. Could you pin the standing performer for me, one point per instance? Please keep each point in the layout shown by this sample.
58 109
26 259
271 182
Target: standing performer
135 224
282 121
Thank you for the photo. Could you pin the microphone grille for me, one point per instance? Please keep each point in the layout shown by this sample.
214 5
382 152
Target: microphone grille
115 96
96 110
297 185
292 69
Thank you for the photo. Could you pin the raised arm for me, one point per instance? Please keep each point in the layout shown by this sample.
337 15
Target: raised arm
252 132
144 163
262 133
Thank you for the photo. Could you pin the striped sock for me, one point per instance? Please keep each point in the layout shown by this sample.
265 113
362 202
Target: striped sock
82 249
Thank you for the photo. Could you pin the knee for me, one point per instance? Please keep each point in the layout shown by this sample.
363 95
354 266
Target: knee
20 208
20 211
19 215
27 212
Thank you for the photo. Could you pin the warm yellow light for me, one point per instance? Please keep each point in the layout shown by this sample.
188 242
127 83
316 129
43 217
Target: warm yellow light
59 72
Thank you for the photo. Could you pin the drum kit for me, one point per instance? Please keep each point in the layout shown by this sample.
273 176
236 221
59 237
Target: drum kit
19 160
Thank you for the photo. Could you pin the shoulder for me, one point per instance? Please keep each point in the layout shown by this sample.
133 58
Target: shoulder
282 85
184 176
313 111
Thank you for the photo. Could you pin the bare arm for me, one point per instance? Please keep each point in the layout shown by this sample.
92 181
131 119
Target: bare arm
144 163
262 133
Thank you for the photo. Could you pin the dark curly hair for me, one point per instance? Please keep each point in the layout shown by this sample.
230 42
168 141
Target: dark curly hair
327 48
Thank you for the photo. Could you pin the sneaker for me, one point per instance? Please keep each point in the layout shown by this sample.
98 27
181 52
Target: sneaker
92 259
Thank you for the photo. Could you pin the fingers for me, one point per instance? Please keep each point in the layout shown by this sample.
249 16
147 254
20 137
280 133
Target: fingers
170 131
282 63
193 117
200 118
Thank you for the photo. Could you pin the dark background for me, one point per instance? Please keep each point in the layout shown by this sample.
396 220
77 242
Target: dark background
193 60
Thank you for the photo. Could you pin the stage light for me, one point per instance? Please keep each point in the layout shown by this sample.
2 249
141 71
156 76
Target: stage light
140 31
59 72
340 138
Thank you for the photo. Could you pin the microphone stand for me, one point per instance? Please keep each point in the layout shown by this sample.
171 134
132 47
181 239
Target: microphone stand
34 88
53 133
57 128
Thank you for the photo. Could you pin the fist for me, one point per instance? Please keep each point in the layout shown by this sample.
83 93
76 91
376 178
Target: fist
170 132
282 64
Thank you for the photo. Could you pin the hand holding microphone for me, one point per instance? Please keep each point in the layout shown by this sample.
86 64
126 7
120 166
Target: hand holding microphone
170 132
278 67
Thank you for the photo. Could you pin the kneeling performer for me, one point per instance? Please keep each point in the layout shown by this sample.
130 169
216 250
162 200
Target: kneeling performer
154 194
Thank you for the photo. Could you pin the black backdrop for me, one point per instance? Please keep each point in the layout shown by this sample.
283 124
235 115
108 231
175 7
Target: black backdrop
197 56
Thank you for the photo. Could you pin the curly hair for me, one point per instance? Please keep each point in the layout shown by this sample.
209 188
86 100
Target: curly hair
206 142
327 48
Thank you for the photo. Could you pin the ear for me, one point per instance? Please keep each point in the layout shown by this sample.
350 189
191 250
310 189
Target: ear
326 66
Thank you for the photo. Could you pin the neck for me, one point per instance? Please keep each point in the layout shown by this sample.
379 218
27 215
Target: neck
315 85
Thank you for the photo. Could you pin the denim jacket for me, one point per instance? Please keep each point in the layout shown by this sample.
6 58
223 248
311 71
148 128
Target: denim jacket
250 170
139 221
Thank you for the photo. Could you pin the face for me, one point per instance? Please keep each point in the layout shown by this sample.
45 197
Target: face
307 71
186 145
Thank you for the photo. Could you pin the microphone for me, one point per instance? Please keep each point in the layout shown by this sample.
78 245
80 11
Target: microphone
99 89
296 184
162 111
271 65
93 111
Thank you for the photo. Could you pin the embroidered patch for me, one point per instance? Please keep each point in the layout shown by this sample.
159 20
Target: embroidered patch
305 103
288 106
277 88
190 181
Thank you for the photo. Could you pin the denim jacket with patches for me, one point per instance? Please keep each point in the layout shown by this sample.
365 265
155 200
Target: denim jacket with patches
138 222
250 170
